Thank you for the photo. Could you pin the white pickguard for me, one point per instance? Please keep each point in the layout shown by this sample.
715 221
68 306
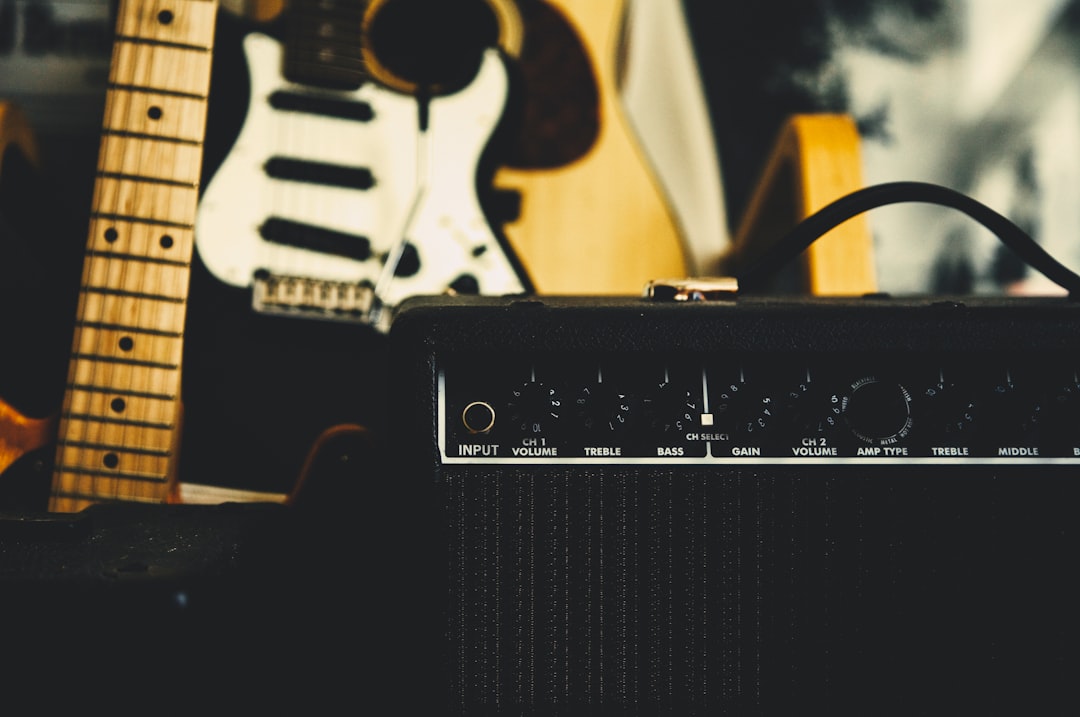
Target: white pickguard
425 186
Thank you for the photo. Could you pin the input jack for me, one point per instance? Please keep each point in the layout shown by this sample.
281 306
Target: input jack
478 417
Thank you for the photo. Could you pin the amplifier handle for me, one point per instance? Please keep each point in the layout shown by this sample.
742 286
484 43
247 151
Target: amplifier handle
813 227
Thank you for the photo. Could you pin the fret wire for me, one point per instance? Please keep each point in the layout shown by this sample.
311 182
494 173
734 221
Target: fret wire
121 256
108 291
118 422
126 449
145 90
131 328
128 134
141 477
146 179
120 391
139 220
136 40
106 358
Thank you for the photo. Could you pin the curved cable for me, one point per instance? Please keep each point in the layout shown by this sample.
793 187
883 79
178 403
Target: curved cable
832 215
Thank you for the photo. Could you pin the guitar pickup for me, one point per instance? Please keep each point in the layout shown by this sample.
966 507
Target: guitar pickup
308 236
316 298
324 173
322 106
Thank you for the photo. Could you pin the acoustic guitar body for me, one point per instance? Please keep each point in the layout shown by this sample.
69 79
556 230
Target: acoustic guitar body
598 223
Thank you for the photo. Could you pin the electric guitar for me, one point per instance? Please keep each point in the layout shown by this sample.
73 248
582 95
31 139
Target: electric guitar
333 202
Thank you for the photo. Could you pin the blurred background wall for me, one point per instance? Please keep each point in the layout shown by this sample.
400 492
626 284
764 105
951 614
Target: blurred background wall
979 95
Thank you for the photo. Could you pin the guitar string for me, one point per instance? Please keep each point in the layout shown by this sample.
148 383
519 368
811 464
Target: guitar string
288 140
277 202
88 484
150 204
422 179
123 439
322 204
119 432
184 249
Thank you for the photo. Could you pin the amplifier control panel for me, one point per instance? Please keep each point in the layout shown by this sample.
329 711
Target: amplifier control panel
760 408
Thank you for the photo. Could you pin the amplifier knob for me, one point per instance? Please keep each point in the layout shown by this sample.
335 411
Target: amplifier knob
797 409
877 412
534 407
1059 419
599 408
732 405
745 409
947 413
672 409
1008 414
1001 413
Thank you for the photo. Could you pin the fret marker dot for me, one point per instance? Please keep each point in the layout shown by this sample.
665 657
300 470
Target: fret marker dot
154 113
166 241
111 235
165 17
126 343
118 405
111 460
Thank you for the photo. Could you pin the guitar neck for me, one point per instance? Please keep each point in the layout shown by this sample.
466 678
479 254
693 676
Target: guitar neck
120 418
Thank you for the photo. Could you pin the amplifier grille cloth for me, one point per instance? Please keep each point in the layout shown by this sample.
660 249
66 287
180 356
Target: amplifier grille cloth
684 590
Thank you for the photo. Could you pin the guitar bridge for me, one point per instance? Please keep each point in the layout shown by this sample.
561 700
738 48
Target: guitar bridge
310 298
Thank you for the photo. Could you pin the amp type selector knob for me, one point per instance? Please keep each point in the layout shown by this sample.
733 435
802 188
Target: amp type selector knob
877 412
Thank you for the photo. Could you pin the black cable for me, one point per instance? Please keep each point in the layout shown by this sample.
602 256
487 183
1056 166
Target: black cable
832 215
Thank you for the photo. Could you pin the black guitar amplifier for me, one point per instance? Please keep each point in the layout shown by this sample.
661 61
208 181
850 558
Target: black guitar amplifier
702 501
634 506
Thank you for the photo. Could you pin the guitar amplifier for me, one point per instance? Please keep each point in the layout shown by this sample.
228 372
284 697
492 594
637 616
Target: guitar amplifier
750 504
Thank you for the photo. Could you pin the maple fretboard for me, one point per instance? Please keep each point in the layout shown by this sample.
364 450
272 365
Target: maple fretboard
120 421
